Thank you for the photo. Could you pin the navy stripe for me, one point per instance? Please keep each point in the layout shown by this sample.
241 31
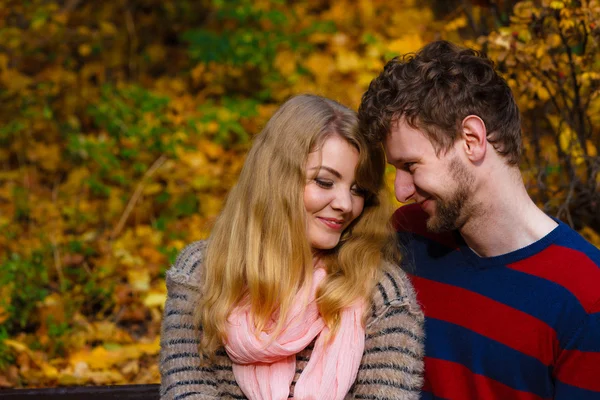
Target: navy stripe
188 394
179 326
396 311
188 369
394 284
195 265
430 396
383 382
188 382
396 329
373 311
394 349
386 301
182 341
180 355
565 391
177 311
587 336
514 369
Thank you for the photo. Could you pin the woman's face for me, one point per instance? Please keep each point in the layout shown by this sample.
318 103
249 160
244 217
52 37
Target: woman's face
331 197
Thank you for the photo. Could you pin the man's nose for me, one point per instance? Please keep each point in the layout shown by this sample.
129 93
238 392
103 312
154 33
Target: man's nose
404 186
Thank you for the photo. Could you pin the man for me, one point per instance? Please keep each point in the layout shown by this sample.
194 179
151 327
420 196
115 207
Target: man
511 295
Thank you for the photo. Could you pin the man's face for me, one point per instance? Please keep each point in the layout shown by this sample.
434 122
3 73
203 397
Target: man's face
441 185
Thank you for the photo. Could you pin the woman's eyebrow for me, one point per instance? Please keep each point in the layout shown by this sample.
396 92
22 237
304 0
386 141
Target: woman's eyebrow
331 170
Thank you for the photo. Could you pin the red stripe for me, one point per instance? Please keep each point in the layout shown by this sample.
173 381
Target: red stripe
579 368
487 317
569 268
412 218
455 381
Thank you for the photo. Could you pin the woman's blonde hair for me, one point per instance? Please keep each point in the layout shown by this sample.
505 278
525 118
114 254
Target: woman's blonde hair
258 250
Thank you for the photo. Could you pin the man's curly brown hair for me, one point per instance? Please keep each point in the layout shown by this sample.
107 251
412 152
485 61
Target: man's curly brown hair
435 89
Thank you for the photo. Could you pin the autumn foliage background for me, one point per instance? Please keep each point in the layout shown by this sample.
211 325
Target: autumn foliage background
125 122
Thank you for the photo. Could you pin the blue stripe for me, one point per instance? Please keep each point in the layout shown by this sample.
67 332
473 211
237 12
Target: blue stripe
430 396
493 359
538 297
587 337
568 392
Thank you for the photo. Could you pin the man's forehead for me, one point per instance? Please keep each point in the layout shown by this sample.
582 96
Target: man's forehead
401 130
405 141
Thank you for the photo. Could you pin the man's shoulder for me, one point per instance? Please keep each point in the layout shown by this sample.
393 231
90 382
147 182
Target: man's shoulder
574 241
572 263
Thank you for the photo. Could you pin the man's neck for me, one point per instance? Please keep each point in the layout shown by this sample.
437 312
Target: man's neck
507 220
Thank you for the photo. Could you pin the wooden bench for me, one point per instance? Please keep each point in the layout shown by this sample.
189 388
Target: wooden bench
126 392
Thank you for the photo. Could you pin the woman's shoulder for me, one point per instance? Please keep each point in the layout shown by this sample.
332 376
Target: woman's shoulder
394 289
188 268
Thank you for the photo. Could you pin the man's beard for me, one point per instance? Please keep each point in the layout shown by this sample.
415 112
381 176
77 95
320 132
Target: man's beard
452 213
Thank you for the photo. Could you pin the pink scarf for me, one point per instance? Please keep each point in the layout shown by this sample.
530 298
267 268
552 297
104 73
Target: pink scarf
264 367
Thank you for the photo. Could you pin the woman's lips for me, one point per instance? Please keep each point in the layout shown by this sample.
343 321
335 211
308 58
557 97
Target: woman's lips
332 223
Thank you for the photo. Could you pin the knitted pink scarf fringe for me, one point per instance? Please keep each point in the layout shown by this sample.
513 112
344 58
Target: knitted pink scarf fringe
264 368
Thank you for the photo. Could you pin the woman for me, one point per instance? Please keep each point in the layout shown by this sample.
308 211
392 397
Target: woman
293 295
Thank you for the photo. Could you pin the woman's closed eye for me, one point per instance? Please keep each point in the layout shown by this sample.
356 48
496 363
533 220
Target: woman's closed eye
324 183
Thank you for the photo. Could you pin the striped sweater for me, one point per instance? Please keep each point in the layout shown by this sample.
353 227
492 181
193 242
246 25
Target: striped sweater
391 367
524 325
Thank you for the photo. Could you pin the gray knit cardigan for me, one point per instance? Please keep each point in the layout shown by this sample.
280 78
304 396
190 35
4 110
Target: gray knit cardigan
391 366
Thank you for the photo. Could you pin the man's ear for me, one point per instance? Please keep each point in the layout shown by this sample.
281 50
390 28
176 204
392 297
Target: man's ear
474 137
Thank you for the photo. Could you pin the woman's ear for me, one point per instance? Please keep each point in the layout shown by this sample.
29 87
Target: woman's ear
474 135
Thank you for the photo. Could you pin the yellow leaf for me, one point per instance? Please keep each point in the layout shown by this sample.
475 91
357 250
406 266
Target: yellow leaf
542 93
107 28
569 143
3 315
591 149
557 5
567 23
14 81
139 279
49 371
153 188
155 299
47 156
406 44
553 40
319 64
347 61
101 358
212 150
18 346
456 24
285 62
197 73
85 49
194 160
